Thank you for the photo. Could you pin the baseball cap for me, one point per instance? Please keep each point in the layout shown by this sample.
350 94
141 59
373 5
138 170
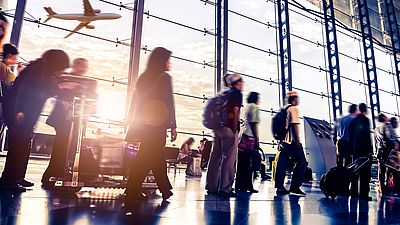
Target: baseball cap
232 78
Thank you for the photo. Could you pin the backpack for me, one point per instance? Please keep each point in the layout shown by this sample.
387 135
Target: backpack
215 113
279 129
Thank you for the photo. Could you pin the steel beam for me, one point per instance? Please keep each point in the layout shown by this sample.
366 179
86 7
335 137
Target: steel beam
284 47
18 21
369 58
394 36
225 39
333 59
134 57
218 47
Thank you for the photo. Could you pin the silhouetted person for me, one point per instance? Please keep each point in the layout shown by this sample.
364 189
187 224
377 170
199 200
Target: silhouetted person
61 119
385 141
360 136
344 146
3 27
291 150
244 175
7 76
22 108
152 113
222 165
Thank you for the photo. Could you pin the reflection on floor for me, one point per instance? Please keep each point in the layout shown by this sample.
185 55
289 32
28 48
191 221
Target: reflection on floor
191 205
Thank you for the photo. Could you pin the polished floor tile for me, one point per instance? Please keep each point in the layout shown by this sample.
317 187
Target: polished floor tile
191 205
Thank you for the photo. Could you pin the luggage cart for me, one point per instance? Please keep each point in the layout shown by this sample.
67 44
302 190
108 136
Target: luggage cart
103 176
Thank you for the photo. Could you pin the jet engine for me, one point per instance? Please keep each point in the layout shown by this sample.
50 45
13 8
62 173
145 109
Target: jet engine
89 27
97 11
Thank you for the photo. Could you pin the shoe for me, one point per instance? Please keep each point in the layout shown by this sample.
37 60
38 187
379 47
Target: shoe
12 187
282 191
231 194
25 183
212 192
265 178
253 191
297 191
366 198
166 196
355 196
136 197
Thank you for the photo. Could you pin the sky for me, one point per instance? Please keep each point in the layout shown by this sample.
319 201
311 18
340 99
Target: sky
108 61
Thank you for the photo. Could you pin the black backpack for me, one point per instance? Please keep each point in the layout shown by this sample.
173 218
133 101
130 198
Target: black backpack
215 113
279 129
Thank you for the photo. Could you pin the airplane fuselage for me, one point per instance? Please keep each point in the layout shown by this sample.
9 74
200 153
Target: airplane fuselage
83 18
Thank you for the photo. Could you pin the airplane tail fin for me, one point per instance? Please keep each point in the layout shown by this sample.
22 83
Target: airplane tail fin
49 10
50 13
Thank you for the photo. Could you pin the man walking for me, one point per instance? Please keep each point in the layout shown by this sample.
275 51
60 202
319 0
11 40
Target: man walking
222 166
360 136
291 149
344 147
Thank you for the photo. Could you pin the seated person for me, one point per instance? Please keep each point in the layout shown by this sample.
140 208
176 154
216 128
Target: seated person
185 154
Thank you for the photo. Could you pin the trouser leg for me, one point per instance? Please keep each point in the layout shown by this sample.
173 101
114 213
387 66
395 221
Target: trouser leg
382 175
299 168
159 168
58 155
229 158
244 171
281 165
365 178
18 154
214 165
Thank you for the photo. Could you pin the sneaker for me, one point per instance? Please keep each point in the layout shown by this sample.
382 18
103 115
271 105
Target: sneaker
212 192
136 197
282 191
366 198
297 191
231 194
265 178
166 196
12 187
253 191
25 183
355 196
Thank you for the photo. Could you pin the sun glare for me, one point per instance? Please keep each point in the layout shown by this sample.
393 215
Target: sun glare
110 105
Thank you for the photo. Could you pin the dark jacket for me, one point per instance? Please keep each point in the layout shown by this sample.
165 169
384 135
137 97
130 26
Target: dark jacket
360 136
30 91
153 106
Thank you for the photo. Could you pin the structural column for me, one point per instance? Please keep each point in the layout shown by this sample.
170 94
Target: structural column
225 39
136 43
395 37
333 58
218 46
18 21
284 47
369 58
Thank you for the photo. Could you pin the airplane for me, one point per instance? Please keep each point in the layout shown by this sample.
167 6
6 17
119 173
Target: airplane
87 17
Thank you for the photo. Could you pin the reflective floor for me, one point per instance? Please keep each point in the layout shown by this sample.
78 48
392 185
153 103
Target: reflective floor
191 205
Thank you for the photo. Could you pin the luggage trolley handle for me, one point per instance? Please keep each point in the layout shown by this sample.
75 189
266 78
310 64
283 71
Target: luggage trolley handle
358 164
75 167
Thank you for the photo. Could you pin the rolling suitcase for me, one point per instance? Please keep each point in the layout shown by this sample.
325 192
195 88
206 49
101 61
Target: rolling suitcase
337 180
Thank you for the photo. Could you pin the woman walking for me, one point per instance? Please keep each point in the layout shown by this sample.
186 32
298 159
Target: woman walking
247 145
152 113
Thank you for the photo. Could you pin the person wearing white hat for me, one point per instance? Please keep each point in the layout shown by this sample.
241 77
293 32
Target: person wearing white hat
222 165
291 149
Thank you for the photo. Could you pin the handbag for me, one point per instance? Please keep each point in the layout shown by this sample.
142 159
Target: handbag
247 143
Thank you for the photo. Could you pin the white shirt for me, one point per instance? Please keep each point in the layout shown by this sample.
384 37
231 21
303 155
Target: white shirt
252 115
292 118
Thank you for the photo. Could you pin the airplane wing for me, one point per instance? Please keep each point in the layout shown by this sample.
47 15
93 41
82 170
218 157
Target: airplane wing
88 8
80 26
